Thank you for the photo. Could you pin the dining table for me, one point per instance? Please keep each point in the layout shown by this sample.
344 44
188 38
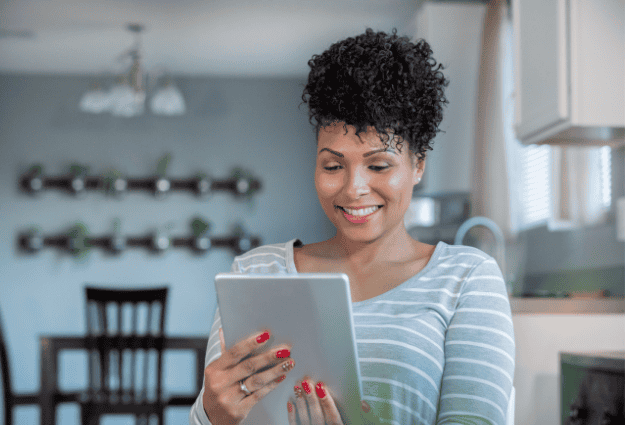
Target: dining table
52 346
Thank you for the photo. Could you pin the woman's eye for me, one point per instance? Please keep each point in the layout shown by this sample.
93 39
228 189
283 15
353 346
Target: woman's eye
378 167
332 167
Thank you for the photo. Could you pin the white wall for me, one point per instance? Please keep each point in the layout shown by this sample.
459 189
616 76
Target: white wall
454 31
254 124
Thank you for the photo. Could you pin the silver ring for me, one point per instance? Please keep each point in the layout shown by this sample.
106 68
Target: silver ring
244 389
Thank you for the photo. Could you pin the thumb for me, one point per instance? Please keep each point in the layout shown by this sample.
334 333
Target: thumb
222 341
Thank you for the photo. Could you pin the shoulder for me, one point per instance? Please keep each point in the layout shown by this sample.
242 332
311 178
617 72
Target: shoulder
469 265
461 256
480 277
270 258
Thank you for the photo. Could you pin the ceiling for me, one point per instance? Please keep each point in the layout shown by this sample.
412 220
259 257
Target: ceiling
186 37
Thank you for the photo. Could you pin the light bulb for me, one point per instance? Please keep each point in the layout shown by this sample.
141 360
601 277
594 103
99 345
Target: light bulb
127 102
168 101
95 101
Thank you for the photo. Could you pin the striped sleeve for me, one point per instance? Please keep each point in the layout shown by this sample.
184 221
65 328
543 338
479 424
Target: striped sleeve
479 351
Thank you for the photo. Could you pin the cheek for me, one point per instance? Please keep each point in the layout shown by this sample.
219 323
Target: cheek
327 186
398 183
400 188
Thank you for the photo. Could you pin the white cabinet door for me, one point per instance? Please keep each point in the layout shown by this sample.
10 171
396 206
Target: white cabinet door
597 64
541 65
569 71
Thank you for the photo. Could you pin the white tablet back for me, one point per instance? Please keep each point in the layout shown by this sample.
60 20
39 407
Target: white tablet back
311 311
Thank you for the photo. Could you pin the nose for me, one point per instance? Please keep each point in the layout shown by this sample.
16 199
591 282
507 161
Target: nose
357 184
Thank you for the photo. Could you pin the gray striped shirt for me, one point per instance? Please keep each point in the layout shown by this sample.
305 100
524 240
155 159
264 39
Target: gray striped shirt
436 349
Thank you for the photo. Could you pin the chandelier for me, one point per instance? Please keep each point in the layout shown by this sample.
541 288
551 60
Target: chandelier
127 96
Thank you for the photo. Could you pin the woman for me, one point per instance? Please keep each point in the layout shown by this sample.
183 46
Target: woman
433 325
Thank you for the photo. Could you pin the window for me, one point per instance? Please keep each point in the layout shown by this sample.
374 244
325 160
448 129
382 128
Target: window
605 165
535 178
562 188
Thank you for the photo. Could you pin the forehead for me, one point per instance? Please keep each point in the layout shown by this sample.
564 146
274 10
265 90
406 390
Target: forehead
336 137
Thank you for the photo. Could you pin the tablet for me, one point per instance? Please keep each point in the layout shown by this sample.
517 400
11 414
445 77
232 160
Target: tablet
310 311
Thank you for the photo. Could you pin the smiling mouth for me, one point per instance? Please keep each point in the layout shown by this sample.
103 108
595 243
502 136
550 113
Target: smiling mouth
360 212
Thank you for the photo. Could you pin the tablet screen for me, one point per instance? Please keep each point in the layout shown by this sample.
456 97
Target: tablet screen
310 311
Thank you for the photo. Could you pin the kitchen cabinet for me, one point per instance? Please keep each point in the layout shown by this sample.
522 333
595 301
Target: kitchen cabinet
569 71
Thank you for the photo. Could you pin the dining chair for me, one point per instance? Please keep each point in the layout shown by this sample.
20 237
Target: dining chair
10 398
125 331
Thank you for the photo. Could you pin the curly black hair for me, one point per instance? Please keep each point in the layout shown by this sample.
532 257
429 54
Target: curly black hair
380 80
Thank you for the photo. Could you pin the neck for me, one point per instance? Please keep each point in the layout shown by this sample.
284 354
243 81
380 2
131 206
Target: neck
394 247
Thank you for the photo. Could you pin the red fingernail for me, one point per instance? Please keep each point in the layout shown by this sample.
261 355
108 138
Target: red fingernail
289 406
321 393
280 379
281 354
262 337
306 387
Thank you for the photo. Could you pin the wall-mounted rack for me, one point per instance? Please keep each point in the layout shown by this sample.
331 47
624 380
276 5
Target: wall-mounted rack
77 242
76 181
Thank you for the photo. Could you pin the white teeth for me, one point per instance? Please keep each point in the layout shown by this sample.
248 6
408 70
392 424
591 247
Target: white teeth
361 211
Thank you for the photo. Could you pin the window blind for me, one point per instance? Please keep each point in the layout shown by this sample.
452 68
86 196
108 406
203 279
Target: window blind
535 192
535 173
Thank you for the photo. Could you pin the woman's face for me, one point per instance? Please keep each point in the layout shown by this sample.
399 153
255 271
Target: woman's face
364 188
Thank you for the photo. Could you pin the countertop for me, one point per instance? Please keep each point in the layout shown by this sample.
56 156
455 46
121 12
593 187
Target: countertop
573 305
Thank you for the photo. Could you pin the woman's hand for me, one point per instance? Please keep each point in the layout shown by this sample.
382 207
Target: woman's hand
314 405
238 370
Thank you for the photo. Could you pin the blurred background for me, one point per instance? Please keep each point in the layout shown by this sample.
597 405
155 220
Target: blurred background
142 90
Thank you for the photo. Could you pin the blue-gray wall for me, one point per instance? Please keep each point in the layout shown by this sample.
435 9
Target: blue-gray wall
255 124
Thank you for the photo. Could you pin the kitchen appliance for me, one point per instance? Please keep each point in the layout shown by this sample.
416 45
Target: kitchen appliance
591 390
437 216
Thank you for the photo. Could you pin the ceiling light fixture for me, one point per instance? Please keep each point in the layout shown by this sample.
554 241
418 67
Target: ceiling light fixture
167 100
95 100
127 96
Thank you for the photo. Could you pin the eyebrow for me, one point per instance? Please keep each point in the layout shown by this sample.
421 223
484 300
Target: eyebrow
378 151
366 154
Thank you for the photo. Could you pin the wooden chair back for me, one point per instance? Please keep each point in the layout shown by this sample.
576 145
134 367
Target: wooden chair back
125 330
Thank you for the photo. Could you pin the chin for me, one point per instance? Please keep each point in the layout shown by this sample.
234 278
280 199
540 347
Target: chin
360 235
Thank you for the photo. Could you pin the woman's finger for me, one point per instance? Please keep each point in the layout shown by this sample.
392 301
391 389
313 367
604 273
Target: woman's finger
290 408
262 379
242 349
301 405
330 411
254 366
249 401
316 414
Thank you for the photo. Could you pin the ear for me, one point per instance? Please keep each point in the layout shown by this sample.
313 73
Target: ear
418 168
